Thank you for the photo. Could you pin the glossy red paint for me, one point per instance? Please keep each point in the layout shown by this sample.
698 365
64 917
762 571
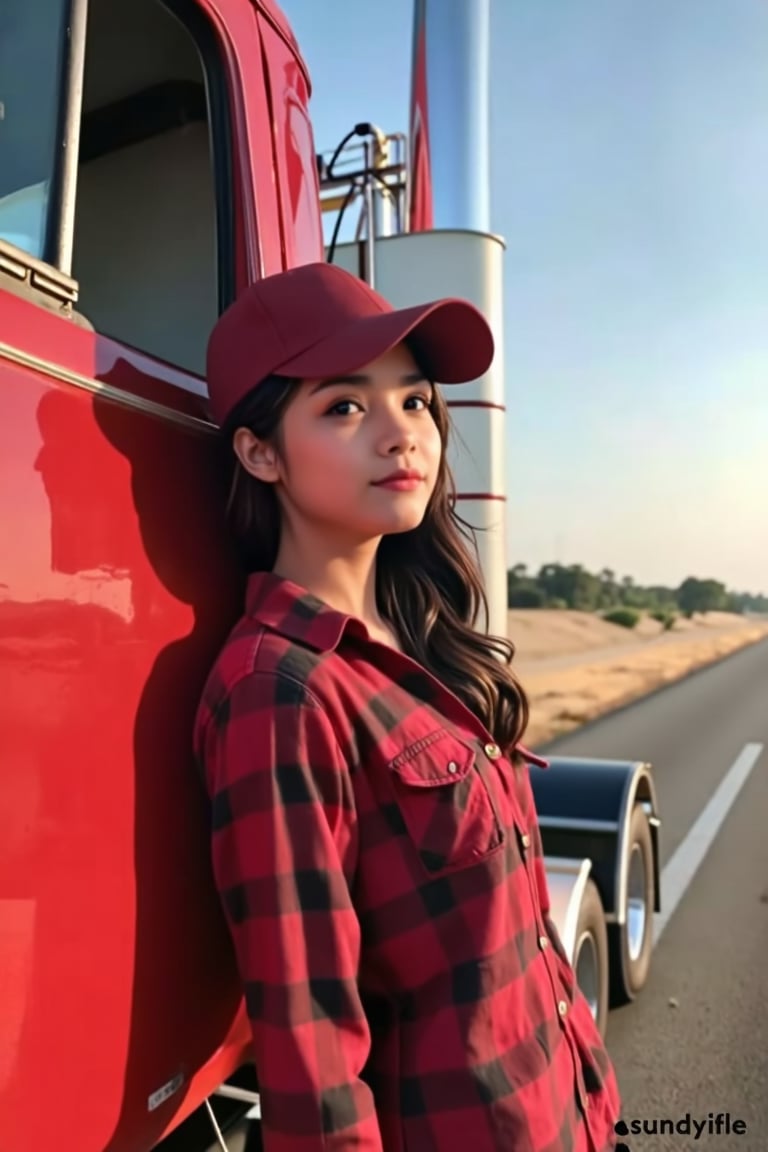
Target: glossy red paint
262 251
117 585
116 593
294 156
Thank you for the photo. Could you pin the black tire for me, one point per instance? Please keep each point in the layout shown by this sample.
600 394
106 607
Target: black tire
629 970
590 960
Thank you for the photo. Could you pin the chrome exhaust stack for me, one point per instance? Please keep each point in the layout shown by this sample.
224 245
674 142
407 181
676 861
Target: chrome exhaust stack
450 102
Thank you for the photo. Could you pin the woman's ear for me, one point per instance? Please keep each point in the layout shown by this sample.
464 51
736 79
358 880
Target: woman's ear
256 457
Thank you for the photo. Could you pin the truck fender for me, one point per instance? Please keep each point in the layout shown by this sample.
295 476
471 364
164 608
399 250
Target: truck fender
584 809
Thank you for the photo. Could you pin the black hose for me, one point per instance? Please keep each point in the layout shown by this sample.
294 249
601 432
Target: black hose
361 129
334 238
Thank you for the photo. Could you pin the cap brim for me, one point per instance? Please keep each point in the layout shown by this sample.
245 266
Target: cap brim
450 339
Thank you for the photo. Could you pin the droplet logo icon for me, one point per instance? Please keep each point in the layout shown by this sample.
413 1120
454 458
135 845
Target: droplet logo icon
620 1128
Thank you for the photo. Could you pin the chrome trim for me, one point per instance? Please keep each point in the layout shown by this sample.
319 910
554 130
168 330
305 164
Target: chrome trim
651 806
27 271
564 865
99 388
587 971
243 1094
60 229
637 913
566 898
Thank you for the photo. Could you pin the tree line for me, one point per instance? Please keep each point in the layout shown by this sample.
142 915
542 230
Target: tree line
573 586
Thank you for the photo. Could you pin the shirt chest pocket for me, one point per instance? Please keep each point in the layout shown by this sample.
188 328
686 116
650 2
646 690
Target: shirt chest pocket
445 803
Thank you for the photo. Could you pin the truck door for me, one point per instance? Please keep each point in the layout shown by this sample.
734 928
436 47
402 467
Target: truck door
125 226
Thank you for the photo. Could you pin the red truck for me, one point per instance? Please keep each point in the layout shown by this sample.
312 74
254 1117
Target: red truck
155 157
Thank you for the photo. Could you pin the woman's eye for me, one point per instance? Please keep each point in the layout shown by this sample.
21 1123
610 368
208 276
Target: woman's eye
341 403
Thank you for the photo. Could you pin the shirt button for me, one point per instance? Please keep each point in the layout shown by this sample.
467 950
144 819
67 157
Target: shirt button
453 767
492 751
562 1007
525 840
543 943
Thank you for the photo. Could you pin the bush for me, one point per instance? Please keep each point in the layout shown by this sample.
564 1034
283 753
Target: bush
666 619
626 617
560 605
525 598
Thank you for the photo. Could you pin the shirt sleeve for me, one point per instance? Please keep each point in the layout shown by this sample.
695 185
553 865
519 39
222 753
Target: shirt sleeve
284 849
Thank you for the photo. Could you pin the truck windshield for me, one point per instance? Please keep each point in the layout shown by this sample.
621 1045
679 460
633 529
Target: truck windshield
32 54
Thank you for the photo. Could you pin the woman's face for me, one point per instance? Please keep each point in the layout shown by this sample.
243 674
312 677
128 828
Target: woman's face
341 436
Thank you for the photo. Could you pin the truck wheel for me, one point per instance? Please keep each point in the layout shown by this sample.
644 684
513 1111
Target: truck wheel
631 943
590 956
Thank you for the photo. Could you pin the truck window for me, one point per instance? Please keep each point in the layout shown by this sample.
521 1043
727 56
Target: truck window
142 219
32 47
151 244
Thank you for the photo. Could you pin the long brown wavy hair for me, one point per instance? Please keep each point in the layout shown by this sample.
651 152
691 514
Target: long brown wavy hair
429 586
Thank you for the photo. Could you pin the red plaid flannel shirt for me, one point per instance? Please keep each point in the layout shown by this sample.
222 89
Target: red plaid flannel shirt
380 866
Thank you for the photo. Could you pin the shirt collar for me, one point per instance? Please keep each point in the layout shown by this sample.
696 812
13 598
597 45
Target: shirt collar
293 611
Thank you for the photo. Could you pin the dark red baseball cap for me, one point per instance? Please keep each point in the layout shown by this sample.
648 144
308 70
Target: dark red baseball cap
318 320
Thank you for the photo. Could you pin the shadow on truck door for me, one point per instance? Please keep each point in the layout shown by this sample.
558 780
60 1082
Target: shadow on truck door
154 193
142 506
185 987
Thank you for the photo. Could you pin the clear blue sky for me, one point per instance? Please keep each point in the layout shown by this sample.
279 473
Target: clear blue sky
630 181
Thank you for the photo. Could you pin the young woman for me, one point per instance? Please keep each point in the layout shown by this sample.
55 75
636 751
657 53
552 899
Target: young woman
374 837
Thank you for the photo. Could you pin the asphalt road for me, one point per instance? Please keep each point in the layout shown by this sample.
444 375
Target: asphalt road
696 1040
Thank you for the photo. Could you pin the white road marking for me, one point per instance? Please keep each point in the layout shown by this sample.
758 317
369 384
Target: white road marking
683 865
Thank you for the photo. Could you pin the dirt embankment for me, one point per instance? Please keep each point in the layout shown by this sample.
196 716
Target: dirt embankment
575 666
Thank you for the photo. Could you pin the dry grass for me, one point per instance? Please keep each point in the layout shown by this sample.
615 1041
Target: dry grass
576 667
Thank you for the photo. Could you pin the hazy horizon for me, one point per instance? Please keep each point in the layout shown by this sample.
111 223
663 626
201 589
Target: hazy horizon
629 180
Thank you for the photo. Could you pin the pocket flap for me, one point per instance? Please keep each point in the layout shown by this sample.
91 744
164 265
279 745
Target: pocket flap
435 760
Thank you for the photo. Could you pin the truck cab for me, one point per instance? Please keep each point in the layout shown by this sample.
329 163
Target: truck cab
154 158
